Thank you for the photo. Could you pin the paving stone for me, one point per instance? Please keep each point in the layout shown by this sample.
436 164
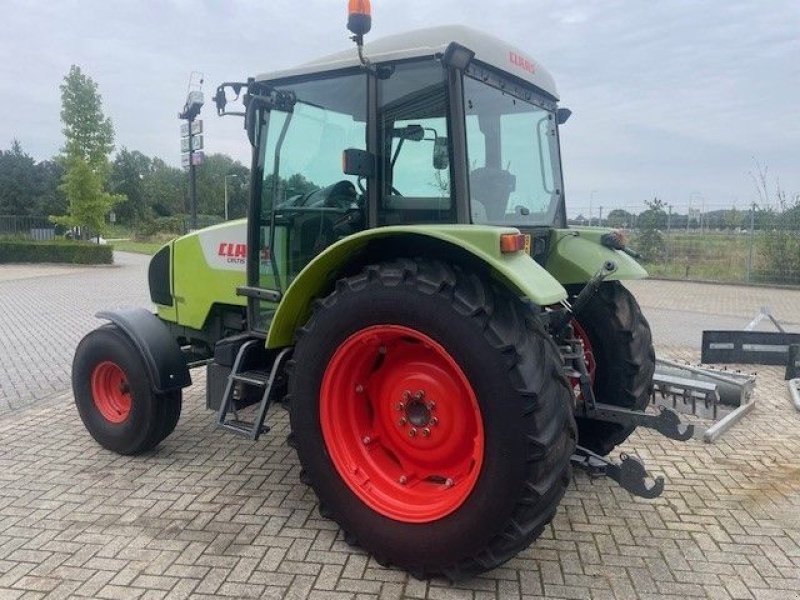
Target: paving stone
207 515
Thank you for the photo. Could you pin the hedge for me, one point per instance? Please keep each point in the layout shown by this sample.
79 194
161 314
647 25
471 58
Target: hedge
81 253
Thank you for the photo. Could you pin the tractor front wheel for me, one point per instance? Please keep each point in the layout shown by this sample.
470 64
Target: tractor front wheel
432 418
114 396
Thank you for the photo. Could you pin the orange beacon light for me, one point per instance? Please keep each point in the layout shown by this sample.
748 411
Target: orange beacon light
359 17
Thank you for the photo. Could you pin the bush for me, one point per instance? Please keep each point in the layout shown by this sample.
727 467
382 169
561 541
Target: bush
81 253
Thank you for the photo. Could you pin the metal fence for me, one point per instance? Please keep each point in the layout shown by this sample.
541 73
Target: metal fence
27 227
726 245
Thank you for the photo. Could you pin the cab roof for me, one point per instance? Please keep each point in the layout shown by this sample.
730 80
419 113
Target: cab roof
432 42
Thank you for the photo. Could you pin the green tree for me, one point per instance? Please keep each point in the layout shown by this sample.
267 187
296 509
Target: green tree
650 241
89 139
733 219
619 218
165 189
17 181
129 172
28 187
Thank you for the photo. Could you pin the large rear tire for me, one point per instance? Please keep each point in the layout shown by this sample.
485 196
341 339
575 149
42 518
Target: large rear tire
620 350
454 480
114 396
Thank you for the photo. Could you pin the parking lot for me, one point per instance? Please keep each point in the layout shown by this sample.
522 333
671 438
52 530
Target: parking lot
210 515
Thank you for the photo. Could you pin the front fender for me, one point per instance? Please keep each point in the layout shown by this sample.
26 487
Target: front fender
165 363
518 271
577 254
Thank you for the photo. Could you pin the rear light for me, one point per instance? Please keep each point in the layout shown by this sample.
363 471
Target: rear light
512 242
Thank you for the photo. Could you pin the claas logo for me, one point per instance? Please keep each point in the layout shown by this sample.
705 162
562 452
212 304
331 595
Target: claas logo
229 250
238 252
522 62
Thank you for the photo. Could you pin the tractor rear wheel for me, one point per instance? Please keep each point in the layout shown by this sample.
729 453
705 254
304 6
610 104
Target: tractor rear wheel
620 358
431 417
114 396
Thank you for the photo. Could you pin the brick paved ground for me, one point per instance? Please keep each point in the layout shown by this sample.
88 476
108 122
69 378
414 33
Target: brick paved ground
211 515
46 310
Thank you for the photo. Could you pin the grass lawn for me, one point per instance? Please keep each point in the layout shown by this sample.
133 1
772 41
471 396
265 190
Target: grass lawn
138 247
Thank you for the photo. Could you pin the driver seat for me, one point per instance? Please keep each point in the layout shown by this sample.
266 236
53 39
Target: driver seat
491 188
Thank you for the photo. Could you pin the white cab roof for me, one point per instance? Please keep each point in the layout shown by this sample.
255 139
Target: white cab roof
433 42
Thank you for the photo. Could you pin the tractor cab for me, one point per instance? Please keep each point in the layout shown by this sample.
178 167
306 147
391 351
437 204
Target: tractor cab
443 126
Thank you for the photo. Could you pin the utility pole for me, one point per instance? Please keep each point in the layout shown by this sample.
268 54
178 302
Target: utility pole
669 228
752 237
192 139
591 200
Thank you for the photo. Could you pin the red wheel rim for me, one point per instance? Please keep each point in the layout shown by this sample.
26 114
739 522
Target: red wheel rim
401 423
588 355
111 392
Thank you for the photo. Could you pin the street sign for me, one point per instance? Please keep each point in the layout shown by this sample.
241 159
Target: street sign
197 127
197 158
185 160
196 143
184 130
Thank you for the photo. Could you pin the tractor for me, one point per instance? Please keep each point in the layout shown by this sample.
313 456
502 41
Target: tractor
406 285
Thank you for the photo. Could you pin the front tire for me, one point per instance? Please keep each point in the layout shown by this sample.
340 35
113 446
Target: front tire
485 489
114 396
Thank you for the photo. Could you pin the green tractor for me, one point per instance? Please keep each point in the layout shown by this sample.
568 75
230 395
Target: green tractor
405 284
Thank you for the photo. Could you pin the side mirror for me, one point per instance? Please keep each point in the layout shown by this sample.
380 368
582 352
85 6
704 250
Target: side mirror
441 154
412 133
358 162
563 115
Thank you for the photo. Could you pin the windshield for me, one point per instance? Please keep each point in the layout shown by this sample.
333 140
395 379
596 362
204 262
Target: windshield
513 157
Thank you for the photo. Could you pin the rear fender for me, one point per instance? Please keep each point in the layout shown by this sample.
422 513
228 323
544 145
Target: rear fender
518 271
165 363
577 254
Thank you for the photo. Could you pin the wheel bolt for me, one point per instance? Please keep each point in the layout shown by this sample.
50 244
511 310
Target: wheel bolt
419 395
367 440
434 421
412 432
431 405
359 389
403 480
400 406
406 395
402 421
426 432
449 482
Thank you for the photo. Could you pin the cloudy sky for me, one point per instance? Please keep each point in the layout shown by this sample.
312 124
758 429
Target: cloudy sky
669 98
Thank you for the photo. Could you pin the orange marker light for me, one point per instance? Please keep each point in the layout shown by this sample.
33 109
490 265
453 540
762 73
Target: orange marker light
512 242
359 17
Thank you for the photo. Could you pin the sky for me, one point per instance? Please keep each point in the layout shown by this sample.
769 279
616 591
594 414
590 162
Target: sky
675 99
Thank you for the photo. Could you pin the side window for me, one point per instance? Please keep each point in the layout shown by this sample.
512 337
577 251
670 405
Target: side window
415 161
313 202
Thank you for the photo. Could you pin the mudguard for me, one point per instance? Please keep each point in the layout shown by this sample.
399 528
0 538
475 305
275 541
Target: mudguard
576 254
162 356
518 270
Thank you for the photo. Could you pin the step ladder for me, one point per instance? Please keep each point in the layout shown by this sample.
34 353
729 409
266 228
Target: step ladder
258 379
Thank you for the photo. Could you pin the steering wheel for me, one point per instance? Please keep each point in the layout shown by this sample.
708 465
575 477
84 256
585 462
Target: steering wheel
363 190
